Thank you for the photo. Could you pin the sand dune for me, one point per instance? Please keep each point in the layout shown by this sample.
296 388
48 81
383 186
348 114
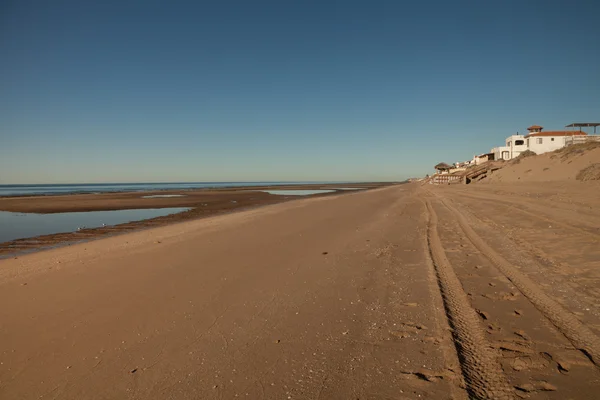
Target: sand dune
578 162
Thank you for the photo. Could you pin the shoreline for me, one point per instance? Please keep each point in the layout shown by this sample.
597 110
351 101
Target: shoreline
202 203
217 187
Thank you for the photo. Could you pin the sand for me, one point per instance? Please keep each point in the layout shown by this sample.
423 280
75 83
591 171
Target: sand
404 292
579 162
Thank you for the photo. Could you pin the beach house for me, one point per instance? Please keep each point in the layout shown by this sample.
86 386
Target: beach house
537 141
482 158
542 142
514 145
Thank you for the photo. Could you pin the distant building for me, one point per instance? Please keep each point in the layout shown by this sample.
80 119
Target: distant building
542 142
483 158
537 141
514 145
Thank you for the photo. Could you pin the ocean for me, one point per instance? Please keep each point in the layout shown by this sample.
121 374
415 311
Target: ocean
54 189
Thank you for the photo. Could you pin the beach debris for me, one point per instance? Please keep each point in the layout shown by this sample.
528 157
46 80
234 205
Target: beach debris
518 312
133 371
325 253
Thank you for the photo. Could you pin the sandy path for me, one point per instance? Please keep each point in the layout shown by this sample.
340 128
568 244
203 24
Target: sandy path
548 346
330 298
556 232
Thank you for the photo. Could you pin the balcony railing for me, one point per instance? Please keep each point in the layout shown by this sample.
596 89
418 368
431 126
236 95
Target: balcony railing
570 140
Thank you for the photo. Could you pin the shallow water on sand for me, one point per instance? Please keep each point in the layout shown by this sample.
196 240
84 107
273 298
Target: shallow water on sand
156 196
24 225
297 192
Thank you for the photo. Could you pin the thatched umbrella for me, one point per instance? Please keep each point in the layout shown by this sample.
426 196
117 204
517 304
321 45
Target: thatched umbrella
442 167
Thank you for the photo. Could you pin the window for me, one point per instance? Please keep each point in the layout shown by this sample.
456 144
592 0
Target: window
527 142
552 139
519 142
538 140
508 143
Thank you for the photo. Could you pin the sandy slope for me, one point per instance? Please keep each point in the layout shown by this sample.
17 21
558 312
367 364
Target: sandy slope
394 293
559 166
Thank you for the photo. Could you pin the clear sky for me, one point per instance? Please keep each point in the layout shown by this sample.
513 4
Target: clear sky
146 90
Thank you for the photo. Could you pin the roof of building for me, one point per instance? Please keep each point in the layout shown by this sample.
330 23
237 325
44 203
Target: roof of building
557 133
582 124
532 127
443 166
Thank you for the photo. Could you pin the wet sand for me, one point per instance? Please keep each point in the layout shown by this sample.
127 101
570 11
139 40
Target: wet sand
203 203
403 292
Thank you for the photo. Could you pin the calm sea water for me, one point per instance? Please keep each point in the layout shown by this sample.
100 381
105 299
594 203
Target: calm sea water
29 190
24 225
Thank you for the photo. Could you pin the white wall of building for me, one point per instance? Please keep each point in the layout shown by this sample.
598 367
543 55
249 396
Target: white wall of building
516 144
544 144
501 153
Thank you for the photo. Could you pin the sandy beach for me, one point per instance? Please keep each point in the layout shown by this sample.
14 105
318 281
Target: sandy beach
300 200
399 292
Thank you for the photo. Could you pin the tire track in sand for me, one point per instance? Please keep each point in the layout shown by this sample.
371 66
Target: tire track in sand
567 323
482 372
515 206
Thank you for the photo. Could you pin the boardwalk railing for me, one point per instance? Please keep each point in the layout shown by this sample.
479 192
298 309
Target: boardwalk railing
445 179
469 175
570 140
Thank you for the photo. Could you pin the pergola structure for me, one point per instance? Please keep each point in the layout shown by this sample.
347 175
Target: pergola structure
583 124
443 167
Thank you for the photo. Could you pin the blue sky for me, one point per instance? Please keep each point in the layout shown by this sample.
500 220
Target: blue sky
124 91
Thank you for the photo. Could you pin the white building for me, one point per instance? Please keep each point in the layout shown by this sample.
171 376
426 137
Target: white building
514 145
542 142
537 141
482 158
